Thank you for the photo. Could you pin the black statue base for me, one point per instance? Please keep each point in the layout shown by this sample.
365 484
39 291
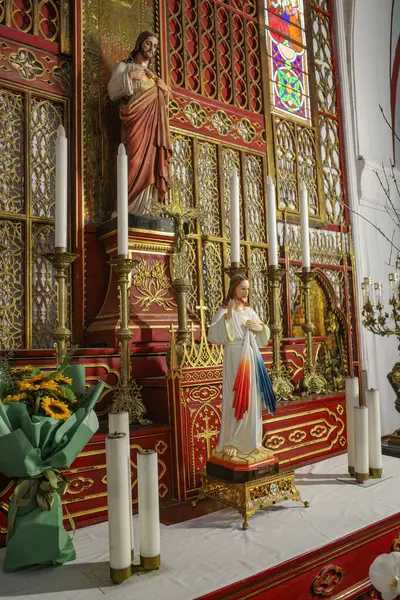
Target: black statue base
234 473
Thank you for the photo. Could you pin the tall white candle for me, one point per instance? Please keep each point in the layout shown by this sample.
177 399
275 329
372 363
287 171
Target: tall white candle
149 513
374 432
364 384
235 217
118 422
305 232
61 188
272 231
118 507
361 443
122 200
352 400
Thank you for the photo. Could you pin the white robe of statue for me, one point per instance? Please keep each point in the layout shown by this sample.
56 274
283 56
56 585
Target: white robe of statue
244 435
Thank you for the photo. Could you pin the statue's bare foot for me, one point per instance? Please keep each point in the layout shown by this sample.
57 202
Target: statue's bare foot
230 451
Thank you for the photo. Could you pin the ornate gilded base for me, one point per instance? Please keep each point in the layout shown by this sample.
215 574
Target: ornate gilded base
283 387
249 497
313 383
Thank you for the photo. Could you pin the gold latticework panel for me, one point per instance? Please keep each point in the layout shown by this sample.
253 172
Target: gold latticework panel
331 169
324 75
285 157
307 166
43 288
11 152
259 283
12 296
255 199
214 50
2 10
192 294
46 117
182 167
208 190
336 278
323 4
294 287
230 159
212 278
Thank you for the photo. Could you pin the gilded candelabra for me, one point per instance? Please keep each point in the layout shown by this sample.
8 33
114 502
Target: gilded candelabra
61 259
281 383
127 394
313 382
380 322
181 215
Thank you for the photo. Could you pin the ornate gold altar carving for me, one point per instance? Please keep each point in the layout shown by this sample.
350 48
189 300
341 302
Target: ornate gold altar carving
317 420
396 544
251 496
327 581
152 285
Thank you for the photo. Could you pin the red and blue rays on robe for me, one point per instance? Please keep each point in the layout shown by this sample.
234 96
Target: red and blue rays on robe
241 387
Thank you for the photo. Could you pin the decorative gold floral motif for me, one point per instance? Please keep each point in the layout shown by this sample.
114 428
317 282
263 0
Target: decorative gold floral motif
222 122
297 436
195 114
161 447
318 431
62 74
274 442
327 581
396 544
162 490
26 64
77 485
246 130
152 285
342 441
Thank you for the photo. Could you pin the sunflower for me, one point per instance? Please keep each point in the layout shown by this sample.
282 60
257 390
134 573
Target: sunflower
48 385
18 370
35 378
54 408
14 398
62 379
26 386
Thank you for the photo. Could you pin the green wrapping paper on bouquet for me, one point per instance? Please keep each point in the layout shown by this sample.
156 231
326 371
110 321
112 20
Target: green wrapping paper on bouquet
35 448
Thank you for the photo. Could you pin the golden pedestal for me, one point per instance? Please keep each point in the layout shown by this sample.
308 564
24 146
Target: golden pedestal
249 497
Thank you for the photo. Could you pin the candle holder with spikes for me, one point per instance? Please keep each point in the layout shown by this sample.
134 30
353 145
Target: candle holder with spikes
127 395
61 259
283 387
313 382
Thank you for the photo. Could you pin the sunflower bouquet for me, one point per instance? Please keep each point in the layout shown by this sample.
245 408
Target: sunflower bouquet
46 419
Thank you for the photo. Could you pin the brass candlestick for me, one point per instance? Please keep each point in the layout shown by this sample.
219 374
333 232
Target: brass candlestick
127 395
235 268
61 259
313 382
281 383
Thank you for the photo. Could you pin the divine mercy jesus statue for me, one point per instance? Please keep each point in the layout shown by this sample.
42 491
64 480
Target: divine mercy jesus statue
246 384
143 99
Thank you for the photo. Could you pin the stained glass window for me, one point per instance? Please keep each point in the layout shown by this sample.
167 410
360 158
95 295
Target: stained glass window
287 56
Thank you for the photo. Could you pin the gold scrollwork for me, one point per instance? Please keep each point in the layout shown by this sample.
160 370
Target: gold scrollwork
152 285
327 581
342 441
79 484
339 409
